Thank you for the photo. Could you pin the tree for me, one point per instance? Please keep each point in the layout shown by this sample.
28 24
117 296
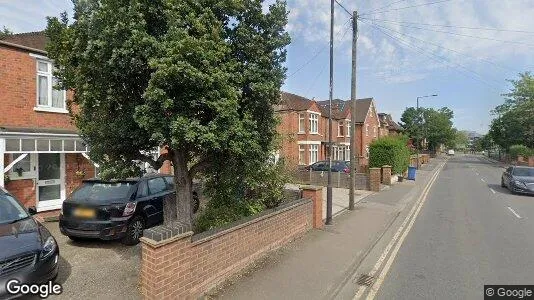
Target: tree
5 32
433 125
514 123
461 139
198 78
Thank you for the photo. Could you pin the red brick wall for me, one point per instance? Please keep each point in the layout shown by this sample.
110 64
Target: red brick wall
73 163
181 269
18 93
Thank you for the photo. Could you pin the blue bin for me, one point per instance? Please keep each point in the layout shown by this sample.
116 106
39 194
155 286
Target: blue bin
411 173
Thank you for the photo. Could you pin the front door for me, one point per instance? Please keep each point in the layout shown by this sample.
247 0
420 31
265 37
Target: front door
50 181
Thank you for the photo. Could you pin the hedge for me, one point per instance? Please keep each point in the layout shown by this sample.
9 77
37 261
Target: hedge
520 150
389 151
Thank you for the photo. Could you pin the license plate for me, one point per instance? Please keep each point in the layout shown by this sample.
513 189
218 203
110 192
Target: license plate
84 213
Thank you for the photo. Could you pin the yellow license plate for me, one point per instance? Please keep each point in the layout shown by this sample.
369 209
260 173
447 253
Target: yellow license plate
84 213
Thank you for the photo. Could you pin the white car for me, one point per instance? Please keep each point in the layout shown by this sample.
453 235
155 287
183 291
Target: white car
451 152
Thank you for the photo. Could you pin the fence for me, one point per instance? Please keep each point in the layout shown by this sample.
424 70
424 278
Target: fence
339 179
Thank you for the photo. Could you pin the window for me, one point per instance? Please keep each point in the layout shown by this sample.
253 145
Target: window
366 129
302 125
366 151
142 190
348 128
314 153
301 154
340 129
170 183
156 185
374 131
347 153
314 123
23 168
48 98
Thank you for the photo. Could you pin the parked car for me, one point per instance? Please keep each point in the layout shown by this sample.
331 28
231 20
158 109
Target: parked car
118 209
28 252
450 152
337 166
519 179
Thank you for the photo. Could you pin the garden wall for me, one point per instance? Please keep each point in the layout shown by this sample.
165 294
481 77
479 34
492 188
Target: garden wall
179 265
339 179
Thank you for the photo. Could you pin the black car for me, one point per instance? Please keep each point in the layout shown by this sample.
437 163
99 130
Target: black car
337 166
28 252
118 209
519 179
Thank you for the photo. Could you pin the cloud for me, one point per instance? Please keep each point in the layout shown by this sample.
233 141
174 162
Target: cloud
414 44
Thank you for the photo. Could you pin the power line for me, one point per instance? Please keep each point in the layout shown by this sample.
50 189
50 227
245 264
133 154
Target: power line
406 7
435 57
385 6
451 26
350 14
465 35
452 50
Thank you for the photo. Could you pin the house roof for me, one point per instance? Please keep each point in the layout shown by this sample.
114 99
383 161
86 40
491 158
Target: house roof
293 102
388 120
341 108
27 41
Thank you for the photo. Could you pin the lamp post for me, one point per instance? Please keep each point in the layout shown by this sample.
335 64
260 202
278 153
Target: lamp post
419 125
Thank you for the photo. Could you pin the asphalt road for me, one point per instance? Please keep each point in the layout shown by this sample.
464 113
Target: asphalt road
470 232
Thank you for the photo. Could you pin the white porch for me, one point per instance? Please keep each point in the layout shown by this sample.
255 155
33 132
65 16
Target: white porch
36 160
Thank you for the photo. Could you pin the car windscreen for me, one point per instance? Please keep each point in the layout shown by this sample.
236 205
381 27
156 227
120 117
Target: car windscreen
102 191
10 209
527 172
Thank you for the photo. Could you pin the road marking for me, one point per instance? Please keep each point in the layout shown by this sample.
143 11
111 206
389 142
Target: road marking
412 215
492 190
477 173
482 179
513 211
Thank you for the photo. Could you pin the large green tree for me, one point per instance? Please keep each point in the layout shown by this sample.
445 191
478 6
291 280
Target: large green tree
514 122
433 125
197 77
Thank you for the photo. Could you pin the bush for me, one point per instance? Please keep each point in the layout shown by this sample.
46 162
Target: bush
520 150
389 151
234 196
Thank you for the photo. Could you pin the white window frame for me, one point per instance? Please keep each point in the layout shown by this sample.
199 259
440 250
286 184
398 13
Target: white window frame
340 127
49 76
13 175
302 154
366 151
348 128
314 120
314 153
366 129
374 131
302 123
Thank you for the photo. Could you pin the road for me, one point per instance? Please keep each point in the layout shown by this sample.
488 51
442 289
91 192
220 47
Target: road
470 232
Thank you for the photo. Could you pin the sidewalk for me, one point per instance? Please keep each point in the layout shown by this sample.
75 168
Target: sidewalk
319 264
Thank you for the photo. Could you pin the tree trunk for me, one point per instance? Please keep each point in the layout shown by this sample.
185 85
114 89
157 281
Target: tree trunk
184 190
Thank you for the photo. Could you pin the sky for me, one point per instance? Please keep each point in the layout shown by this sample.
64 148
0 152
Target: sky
462 50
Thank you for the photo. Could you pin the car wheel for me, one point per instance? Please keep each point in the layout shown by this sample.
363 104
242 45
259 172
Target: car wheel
195 203
134 231
502 183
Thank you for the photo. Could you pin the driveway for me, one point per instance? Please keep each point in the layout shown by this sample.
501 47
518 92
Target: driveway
96 269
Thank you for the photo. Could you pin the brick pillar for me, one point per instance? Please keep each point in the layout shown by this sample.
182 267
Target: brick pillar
315 193
531 161
374 179
386 175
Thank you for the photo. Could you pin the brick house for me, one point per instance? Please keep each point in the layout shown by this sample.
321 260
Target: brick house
42 158
388 126
304 129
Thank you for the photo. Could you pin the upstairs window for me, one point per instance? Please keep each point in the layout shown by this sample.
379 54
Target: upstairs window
340 129
366 129
348 129
314 123
374 131
48 98
301 123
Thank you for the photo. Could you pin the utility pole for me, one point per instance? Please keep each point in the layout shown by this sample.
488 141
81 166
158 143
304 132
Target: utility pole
329 186
353 165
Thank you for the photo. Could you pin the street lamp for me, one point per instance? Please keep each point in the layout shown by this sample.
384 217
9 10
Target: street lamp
419 125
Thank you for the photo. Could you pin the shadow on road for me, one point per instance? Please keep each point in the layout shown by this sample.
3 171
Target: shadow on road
497 188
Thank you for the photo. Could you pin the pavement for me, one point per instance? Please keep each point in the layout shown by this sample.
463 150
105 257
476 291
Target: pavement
94 269
324 263
340 200
470 232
